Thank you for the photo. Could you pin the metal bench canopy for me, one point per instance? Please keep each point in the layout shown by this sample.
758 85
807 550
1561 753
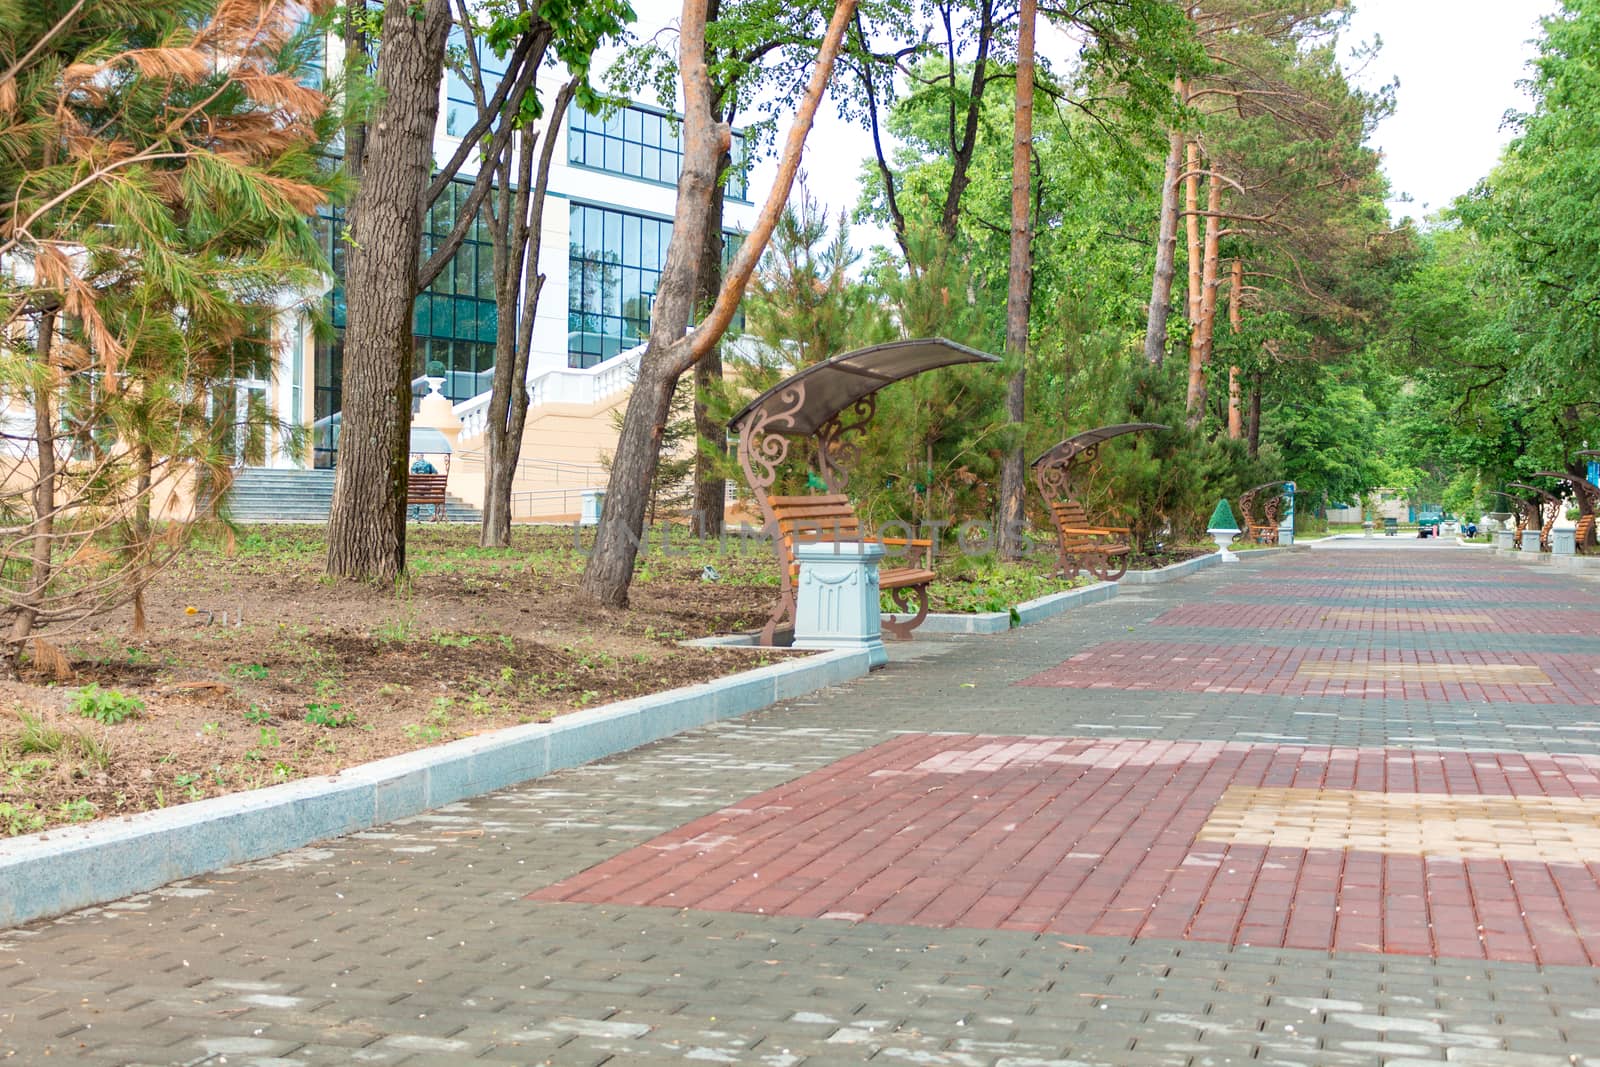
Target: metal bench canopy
827 402
830 400
1058 470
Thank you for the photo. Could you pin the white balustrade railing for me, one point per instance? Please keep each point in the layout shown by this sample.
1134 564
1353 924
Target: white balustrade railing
564 385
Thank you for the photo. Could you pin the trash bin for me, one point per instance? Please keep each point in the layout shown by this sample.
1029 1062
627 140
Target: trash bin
594 502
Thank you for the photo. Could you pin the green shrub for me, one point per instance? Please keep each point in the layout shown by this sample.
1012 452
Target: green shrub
107 706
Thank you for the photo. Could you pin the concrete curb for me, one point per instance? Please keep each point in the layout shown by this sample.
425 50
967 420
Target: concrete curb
47 874
1029 611
1172 572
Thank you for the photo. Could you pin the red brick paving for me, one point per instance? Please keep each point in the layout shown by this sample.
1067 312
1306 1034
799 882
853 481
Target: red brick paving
1390 618
1445 594
1096 836
1212 668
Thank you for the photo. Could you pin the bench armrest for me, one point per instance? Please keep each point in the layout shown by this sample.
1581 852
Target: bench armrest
1093 529
915 542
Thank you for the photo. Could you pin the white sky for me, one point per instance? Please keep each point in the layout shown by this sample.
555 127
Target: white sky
1458 62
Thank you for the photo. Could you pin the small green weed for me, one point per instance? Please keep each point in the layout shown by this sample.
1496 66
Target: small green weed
318 714
106 706
423 733
257 715
253 671
16 820
78 809
444 640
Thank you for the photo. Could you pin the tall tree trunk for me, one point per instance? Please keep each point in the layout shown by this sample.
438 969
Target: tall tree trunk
1155 334
1200 341
711 448
367 525
518 283
670 352
1191 226
1019 289
1235 316
41 527
1253 424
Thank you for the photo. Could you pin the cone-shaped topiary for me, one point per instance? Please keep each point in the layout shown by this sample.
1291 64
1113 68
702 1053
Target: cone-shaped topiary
1222 517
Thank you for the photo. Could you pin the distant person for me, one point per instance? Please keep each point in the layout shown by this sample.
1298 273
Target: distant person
422 466
1470 529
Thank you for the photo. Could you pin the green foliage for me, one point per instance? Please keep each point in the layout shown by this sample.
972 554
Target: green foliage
159 183
19 819
106 706
1222 517
329 715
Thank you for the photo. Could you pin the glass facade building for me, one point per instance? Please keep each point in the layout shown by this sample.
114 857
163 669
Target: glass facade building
639 142
454 322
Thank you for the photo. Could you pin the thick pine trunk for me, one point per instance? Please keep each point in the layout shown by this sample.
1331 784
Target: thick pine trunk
1200 340
633 469
672 350
1235 321
1019 295
367 525
711 448
1155 334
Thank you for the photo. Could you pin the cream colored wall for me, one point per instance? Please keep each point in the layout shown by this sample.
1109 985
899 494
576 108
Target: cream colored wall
574 434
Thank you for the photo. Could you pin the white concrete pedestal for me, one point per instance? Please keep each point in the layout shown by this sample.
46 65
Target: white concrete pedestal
1530 540
1505 540
837 602
594 501
1224 538
1564 542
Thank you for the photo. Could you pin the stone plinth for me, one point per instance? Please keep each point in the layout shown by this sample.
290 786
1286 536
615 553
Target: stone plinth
1530 540
1505 540
1564 542
837 604
594 502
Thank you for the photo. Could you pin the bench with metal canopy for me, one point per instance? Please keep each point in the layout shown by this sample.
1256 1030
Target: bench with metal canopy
1061 474
426 488
1264 532
828 405
1542 507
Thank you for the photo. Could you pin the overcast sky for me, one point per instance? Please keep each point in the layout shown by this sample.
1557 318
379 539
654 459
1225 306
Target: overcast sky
1458 62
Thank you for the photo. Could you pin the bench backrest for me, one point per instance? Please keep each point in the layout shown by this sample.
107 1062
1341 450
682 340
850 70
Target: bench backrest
1069 513
426 487
829 517
1585 525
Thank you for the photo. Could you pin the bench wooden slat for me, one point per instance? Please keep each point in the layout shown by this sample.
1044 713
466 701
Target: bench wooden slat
831 517
1085 543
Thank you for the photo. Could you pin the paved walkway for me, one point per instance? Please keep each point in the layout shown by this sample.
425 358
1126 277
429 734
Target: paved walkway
1329 807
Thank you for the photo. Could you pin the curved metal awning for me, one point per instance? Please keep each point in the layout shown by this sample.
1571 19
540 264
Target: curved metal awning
1065 450
1547 494
799 405
1579 485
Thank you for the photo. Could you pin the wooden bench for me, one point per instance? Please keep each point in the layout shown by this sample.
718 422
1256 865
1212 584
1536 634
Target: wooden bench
1583 533
1083 544
1262 530
423 490
831 517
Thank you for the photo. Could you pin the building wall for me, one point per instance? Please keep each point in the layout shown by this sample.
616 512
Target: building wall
575 186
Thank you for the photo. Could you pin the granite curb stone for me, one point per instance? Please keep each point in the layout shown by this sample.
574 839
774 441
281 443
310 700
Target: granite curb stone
47 874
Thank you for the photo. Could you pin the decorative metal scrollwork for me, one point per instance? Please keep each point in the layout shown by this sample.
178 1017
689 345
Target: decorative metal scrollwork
839 442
